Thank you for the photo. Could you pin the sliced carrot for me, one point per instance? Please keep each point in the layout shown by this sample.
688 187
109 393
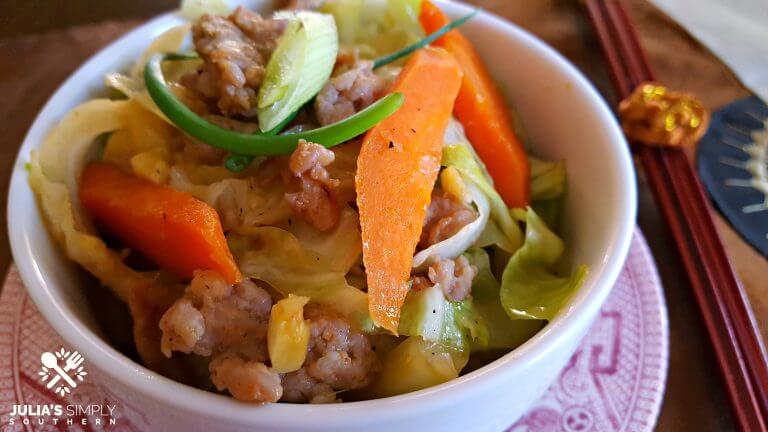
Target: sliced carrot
396 171
481 109
174 229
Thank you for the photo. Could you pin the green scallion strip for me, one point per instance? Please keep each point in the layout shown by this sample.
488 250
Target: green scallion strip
238 162
381 61
260 145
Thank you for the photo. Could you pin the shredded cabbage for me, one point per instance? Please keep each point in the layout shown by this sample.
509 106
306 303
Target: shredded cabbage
239 202
416 364
376 27
458 153
530 289
143 144
277 257
503 332
194 9
169 41
342 248
133 89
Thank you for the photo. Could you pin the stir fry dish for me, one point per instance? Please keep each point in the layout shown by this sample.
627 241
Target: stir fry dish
326 203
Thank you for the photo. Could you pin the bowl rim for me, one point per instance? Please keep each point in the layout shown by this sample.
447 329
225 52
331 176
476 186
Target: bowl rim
150 384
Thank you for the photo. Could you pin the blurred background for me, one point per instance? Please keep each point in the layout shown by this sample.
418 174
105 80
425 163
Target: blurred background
20 18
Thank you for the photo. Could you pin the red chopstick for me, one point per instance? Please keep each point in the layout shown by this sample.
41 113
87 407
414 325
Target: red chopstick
722 301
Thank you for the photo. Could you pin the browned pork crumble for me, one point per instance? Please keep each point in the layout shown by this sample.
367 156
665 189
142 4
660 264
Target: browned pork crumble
445 217
339 358
245 379
314 200
214 316
353 87
453 275
235 51
228 323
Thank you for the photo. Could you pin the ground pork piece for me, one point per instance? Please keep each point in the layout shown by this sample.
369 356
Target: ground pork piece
445 217
246 202
338 355
245 379
300 387
343 169
453 275
182 325
310 160
313 200
263 32
235 50
214 316
338 358
350 90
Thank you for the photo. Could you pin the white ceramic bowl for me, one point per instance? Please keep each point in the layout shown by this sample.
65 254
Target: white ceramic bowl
563 116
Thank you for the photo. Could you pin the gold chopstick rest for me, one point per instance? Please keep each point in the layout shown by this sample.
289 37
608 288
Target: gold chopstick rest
656 116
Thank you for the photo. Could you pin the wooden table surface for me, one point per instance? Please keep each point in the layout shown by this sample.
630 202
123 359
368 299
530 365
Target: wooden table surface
43 41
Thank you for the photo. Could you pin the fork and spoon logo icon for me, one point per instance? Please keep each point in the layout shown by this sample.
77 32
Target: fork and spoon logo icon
62 370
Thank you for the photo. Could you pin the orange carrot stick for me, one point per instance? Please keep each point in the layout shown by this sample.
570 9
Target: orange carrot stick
396 171
481 109
177 231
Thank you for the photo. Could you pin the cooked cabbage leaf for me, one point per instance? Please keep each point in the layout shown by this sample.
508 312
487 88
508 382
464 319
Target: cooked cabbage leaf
133 89
530 288
548 185
503 332
239 202
341 247
376 27
492 235
428 314
277 257
169 41
459 154
547 179
143 144
416 364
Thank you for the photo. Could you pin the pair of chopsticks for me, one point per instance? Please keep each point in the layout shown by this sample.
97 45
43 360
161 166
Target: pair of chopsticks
722 301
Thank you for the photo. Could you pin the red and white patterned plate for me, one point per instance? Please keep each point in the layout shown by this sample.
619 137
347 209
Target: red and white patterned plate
614 381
